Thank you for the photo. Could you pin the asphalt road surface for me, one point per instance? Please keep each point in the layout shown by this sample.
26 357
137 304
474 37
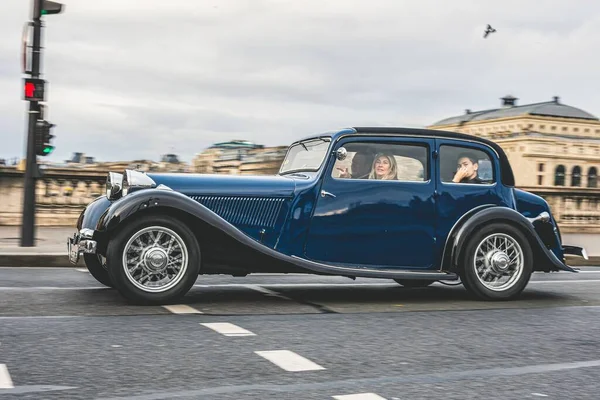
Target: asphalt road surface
64 336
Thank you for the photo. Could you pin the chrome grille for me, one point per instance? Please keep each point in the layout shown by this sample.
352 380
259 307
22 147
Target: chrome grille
252 211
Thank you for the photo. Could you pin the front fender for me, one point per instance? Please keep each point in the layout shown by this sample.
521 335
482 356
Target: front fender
544 259
147 199
91 214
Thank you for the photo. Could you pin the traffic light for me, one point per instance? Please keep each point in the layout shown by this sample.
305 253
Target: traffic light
34 89
43 138
47 7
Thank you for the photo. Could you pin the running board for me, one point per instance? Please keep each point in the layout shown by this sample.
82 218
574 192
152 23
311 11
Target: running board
364 272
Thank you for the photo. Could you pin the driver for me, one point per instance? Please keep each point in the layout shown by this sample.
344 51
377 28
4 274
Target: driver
360 167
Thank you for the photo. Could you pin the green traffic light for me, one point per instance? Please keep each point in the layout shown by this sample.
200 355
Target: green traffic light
48 149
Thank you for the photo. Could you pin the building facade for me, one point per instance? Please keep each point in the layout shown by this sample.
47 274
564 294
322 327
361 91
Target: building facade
554 150
239 157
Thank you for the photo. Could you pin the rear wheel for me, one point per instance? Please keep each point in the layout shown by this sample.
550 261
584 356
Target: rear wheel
414 283
154 260
497 262
96 265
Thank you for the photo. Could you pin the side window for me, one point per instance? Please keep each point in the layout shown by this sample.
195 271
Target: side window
465 165
383 161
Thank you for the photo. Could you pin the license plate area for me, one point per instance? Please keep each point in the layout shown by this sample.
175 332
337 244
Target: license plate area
73 249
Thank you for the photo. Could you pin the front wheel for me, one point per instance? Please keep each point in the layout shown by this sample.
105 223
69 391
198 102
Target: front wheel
497 262
154 260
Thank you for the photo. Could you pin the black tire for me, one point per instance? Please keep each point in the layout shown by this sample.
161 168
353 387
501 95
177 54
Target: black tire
468 272
97 269
118 274
414 283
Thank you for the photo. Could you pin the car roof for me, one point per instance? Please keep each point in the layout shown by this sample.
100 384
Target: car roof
507 175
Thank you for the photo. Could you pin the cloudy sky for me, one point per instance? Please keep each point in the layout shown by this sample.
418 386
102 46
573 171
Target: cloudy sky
140 78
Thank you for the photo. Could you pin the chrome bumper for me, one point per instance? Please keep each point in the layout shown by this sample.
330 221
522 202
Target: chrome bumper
81 243
575 251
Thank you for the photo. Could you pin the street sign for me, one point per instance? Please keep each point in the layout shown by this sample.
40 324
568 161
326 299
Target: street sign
34 89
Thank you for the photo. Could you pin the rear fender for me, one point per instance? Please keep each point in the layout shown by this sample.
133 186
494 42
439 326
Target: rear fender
544 259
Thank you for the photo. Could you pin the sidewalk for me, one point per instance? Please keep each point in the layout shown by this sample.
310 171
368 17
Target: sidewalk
51 248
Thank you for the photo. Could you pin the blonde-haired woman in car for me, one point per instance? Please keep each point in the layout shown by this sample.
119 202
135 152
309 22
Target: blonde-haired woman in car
384 167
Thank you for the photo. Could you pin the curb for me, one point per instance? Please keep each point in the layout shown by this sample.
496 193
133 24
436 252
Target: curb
61 260
49 260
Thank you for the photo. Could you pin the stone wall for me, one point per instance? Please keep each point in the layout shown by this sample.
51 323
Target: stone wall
60 195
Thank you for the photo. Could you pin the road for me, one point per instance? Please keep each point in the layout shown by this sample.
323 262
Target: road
63 336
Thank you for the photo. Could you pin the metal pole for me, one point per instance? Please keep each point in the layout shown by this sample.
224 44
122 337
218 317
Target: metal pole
28 221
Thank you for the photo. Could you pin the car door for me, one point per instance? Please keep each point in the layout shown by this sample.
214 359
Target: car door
360 220
455 199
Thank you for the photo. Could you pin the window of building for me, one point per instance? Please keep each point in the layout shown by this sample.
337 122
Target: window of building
540 180
383 161
597 130
586 130
592 177
465 165
553 127
541 167
576 176
542 126
565 128
575 129
559 176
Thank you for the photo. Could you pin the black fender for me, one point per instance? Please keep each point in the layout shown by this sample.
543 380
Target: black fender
88 219
140 201
544 259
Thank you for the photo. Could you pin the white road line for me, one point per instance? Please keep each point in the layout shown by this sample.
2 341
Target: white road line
81 269
359 396
5 381
182 309
569 281
539 394
227 329
289 361
266 291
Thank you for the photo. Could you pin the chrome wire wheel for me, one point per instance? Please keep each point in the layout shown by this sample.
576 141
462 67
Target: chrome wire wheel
499 262
155 259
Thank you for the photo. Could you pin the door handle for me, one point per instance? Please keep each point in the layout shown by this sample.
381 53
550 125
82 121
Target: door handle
324 193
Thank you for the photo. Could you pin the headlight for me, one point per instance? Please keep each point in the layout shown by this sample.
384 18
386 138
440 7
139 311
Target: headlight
114 184
136 180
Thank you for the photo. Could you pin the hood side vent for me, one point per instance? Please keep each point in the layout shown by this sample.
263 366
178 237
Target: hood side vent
250 211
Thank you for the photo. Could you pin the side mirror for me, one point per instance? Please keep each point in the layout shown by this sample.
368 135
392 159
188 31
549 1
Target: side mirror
341 153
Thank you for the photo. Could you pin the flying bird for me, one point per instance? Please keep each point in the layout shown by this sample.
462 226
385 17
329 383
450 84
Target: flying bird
488 30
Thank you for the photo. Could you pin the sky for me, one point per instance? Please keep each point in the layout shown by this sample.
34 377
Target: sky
135 79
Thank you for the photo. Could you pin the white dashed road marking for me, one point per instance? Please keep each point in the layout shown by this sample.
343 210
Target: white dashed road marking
81 269
5 381
227 329
289 361
359 396
267 292
182 309
539 394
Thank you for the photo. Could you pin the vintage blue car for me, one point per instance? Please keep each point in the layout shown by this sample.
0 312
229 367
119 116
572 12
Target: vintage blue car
412 205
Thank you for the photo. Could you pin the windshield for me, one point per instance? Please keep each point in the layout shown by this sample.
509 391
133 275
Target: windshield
305 156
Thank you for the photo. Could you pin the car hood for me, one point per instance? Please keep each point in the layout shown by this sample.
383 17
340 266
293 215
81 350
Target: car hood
232 185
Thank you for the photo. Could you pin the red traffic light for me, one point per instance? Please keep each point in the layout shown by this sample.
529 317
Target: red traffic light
34 89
